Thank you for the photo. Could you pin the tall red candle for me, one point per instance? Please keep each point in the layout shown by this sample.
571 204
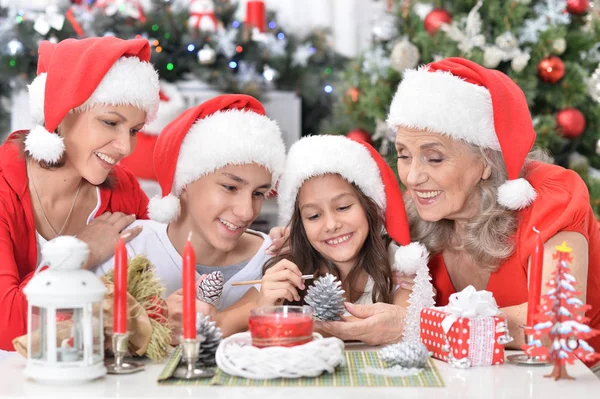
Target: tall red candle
535 278
189 290
255 14
120 319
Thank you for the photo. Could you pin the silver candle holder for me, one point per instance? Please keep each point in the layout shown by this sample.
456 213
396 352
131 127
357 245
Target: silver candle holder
187 369
524 358
118 365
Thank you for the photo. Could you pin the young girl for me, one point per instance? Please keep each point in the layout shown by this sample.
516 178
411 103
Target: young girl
215 163
88 101
337 195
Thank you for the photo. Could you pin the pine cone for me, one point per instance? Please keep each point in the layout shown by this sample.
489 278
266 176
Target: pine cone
405 354
209 336
210 289
326 298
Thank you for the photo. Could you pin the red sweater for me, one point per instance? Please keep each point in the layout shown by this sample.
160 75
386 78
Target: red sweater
18 250
563 204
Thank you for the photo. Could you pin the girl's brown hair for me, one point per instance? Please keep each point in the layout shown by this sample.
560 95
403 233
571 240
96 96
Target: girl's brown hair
372 258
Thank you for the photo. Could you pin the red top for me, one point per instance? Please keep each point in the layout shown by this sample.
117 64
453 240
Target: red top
563 204
18 249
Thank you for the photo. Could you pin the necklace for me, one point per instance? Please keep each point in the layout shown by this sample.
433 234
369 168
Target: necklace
56 233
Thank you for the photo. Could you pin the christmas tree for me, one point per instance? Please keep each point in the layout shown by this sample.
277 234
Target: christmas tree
420 297
562 318
228 54
550 48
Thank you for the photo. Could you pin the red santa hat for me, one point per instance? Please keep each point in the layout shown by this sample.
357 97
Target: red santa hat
226 130
481 106
358 163
75 75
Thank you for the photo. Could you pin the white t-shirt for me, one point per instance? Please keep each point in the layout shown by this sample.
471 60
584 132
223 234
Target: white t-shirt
154 243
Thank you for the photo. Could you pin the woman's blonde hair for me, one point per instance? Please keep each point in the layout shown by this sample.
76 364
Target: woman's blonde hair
489 236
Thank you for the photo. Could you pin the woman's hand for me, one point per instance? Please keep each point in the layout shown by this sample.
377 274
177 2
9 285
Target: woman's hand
279 235
175 312
103 233
377 324
280 282
405 281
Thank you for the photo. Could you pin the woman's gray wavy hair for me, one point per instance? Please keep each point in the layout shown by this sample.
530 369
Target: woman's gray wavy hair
489 236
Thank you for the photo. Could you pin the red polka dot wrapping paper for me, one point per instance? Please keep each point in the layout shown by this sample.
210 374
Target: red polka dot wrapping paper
475 339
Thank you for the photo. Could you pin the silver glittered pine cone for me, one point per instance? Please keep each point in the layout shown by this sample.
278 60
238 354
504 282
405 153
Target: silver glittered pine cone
326 298
405 354
210 289
209 336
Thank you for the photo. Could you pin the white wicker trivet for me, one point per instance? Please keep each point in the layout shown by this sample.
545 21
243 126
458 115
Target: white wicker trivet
236 356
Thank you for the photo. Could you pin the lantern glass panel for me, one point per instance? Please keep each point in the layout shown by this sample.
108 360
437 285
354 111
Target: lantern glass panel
98 333
38 333
69 335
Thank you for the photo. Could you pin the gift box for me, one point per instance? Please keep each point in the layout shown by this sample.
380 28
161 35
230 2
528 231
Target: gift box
470 331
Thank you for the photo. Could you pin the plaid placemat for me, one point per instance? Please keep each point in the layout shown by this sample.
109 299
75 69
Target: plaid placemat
348 375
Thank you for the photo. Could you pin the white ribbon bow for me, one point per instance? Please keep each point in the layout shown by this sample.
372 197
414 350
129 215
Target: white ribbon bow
469 303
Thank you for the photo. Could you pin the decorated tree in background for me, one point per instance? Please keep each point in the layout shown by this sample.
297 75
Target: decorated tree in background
199 39
562 318
550 48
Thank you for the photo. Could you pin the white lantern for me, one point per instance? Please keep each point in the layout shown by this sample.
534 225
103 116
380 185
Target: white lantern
64 327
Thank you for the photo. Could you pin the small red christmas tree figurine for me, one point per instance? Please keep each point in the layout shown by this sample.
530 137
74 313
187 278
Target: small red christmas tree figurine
561 316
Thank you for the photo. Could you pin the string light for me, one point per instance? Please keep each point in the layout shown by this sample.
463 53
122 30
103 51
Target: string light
12 63
281 35
235 24
272 25
158 49
155 43
328 71
191 47
232 64
19 19
170 66
239 49
167 35
155 28
328 89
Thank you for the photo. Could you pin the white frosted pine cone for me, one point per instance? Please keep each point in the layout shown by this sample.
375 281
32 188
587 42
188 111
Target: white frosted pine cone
210 289
326 298
209 336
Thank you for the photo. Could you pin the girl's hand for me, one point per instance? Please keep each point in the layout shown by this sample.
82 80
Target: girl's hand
103 233
279 235
403 280
280 282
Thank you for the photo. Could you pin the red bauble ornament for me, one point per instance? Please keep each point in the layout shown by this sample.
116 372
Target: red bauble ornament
435 19
570 122
352 94
359 135
577 7
551 69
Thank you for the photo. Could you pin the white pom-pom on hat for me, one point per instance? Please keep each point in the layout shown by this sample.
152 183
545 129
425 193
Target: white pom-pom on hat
409 258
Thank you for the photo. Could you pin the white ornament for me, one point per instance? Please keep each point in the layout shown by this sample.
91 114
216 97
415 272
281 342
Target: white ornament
492 56
509 45
594 85
202 16
302 54
270 75
51 18
559 45
467 33
384 27
125 8
422 9
225 40
387 136
598 147
275 45
405 55
520 62
207 55
376 63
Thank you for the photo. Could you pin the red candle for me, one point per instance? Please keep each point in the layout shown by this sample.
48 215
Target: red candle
189 290
255 14
535 278
120 320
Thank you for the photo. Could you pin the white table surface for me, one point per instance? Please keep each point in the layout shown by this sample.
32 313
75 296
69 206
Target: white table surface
504 381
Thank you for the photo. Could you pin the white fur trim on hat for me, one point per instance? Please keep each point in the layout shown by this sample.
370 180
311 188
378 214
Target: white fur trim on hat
43 145
319 155
233 137
167 110
36 98
128 82
516 194
164 209
443 103
409 258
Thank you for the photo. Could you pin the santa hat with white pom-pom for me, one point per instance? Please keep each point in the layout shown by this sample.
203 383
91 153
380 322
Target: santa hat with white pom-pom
468 102
75 75
230 129
359 163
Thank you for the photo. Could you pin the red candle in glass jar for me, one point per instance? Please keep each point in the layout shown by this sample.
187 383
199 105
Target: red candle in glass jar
535 279
255 14
189 290
280 326
120 287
